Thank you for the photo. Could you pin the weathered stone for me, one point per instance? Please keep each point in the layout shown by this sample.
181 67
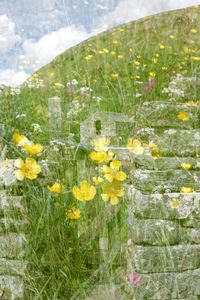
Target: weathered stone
193 235
12 267
165 181
158 206
9 224
177 258
155 232
173 141
11 287
163 114
164 286
163 163
192 223
10 202
12 245
106 291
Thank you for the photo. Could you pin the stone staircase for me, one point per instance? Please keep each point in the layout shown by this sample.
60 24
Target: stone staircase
165 249
12 246
166 239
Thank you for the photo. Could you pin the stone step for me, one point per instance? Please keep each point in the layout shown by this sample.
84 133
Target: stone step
173 142
10 202
106 292
12 267
165 114
12 225
156 259
163 286
158 206
165 163
12 245
165 181
11 287
160 232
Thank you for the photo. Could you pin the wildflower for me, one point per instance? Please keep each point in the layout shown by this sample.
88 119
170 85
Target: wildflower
175 203
196 58
186 190
36 127
137 63
115 42
192 103
135 146
101 144
20 139
113 53
112 191
193 30
134 278
56 188
105 50
73 213
112 172
152 74
86 191
186 166
97 180
183 116
162 46
28 169
101 156
33 149
155 151
115 75
172 37
164 68
89 57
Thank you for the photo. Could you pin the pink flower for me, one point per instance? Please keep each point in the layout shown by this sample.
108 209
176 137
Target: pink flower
134 278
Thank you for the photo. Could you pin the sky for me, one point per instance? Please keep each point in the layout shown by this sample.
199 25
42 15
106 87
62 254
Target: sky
33 32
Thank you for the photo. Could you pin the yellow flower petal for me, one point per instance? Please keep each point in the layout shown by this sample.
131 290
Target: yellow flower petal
186 166
114 200
115 164
121 176
105 197
19 175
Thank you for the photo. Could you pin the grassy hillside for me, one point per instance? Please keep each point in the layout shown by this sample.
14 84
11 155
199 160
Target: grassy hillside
114 71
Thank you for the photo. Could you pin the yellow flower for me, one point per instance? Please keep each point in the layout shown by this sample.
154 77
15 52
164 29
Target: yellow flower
192 103
162 46
97 180
20 139
112 191
115 75
196 58
186 190
135 146
172 37
193 30
56 188
113 53
58 84
89 57
115 42
155 151
86 191
73 213
33 149
152 74
101 144
112 172
101 156
175 203
186 166
164 68
28 169
137 63
183 116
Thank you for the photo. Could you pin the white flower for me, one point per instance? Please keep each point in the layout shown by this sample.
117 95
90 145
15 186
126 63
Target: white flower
72 82
36 127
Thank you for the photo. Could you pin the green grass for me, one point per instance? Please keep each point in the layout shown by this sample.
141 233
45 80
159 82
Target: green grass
58 260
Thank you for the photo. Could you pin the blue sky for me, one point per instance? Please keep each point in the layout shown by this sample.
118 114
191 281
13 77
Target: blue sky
33 32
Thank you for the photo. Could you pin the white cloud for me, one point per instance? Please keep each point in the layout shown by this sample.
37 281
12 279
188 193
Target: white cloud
52 44
11 77
8 37
129 10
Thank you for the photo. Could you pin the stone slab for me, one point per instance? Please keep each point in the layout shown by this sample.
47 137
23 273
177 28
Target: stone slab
158 206
179 258
12 245
11 287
